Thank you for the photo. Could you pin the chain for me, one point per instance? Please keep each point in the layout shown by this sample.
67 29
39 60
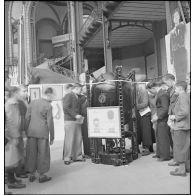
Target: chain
120 96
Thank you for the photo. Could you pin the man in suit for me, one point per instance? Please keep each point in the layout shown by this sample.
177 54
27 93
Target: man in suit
73 136
162 132
40 127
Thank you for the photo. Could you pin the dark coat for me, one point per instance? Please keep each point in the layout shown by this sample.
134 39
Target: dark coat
162 105
70 106
39 120
142 99
163 132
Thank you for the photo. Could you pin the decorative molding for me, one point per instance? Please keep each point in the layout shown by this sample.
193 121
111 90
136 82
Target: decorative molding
10 40
55 12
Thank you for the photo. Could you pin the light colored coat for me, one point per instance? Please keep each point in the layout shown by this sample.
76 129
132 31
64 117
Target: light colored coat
182 113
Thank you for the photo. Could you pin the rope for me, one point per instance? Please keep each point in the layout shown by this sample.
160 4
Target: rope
114 81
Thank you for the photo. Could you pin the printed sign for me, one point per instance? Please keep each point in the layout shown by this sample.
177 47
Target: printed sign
104 122
58 119
35 93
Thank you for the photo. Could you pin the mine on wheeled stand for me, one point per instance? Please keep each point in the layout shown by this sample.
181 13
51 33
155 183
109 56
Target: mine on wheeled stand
114 151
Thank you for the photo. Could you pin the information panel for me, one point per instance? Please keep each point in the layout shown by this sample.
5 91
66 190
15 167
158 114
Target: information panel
104 122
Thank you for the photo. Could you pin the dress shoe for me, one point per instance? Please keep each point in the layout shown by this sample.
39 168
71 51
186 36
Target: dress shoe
32 178
15 185
44 178
177 173
155 156
145 152
22 175
80 160
173 163
187 170
162 159
67 162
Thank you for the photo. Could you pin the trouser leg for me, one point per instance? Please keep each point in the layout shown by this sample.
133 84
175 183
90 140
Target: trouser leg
31 155
171 138
43 157
77 143
182 168
157 143
146 130
10 175
69 140
163 140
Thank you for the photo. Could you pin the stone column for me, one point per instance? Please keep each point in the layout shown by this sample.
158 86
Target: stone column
79 23
73 32
168 16
157 34
106 27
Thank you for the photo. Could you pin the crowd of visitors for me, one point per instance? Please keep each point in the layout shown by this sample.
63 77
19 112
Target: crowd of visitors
169 103
163 116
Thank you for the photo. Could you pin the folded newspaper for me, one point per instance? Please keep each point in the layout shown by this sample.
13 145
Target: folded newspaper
145 111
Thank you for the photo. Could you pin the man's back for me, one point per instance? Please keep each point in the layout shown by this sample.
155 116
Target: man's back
70 106
39 119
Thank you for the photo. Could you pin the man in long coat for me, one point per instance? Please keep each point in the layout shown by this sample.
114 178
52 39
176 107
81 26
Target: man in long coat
162 132
142 101
40 127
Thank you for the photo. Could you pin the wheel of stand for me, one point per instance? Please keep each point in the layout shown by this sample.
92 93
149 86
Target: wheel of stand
117 162
98 161
135 156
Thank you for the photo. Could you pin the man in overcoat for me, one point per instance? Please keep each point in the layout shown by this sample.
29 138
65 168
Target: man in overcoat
40 128
142 101
162 132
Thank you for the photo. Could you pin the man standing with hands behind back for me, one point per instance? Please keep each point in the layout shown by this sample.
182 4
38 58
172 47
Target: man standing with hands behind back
40 127
73 136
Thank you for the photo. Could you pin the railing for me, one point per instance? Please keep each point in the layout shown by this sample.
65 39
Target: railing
61 70
95 16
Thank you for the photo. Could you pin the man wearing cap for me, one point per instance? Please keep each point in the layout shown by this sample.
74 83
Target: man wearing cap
181 129
73 136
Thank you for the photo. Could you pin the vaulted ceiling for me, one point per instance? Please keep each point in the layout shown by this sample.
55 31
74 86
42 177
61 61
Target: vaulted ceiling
128 11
